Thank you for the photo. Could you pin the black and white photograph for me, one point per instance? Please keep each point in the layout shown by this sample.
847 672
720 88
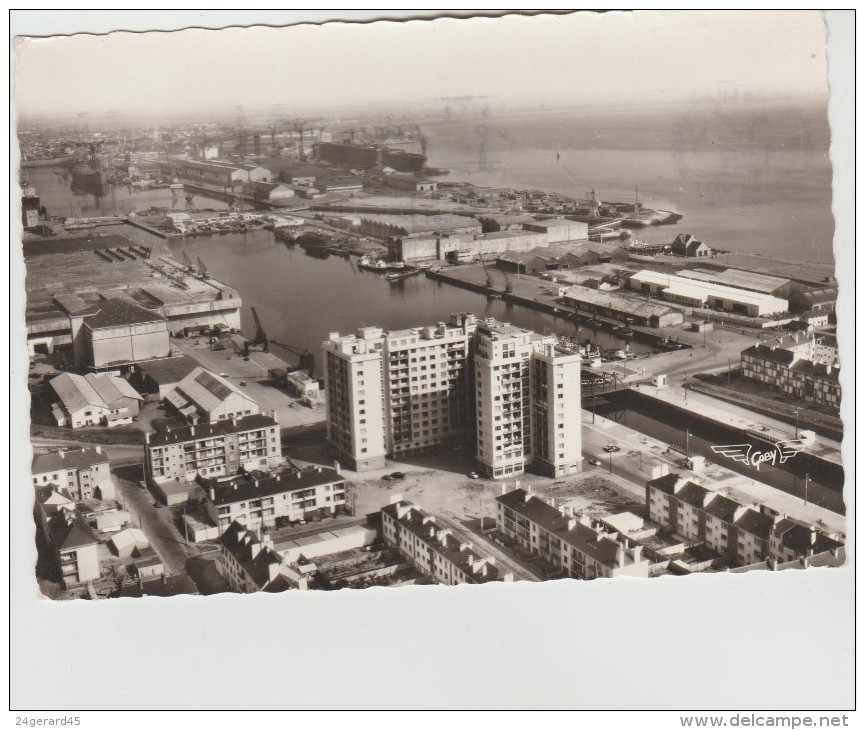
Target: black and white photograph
453 305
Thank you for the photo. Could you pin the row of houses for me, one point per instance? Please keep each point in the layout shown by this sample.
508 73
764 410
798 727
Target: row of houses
806 374
738 533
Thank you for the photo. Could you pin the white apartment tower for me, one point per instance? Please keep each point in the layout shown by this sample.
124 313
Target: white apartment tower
527 400
354 378
556 398
400 393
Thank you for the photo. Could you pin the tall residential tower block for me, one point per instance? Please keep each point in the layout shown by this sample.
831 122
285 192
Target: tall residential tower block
511 392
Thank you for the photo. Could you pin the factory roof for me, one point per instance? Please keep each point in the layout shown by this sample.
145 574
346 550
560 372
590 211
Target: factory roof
247 486
168 370
738 278
117 313
79 391
751 280
76 244
818 296
710 287
67 459
617 302
209 430
417 223
205 389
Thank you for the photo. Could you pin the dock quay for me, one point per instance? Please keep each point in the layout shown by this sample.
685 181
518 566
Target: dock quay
538 294
135 223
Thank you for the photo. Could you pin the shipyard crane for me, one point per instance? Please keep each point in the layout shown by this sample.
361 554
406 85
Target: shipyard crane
202 269
306 360
260 339
188 262
486 271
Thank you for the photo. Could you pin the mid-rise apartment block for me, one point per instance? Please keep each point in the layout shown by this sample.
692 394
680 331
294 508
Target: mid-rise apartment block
213 449
78 473
260 500
434 549
404 392
573 547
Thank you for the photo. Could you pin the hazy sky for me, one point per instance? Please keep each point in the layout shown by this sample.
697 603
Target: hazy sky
642 57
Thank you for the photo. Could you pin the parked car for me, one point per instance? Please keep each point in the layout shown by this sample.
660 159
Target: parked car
142 484
595 462
473 475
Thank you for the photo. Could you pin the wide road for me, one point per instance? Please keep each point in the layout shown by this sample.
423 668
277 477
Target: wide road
503 560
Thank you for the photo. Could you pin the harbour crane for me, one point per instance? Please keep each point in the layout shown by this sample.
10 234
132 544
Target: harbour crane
190 267
260 339
486 271
306 360
202 269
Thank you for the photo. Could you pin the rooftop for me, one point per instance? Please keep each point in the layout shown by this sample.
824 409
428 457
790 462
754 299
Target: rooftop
117 312
67 459
168 370
248 486
252 422
595 543
617 302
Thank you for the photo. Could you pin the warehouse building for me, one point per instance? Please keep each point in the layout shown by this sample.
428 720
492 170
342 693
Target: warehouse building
413 226
620 308
747 280
706 294
203 397
415 183
214 173
71 279
118 333
93 400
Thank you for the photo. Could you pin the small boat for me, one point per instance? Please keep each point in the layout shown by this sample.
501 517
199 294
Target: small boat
396 265
665 343
623 331
615 354
394 276
371 264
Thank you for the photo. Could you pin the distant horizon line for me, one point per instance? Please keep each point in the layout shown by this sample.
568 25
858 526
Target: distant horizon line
404 107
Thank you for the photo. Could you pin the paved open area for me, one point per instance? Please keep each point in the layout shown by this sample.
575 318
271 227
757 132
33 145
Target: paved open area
252 376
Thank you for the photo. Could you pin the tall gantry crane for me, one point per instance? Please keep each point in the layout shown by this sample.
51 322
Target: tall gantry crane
260 339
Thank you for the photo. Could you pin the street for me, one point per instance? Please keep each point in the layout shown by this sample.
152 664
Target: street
154 522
